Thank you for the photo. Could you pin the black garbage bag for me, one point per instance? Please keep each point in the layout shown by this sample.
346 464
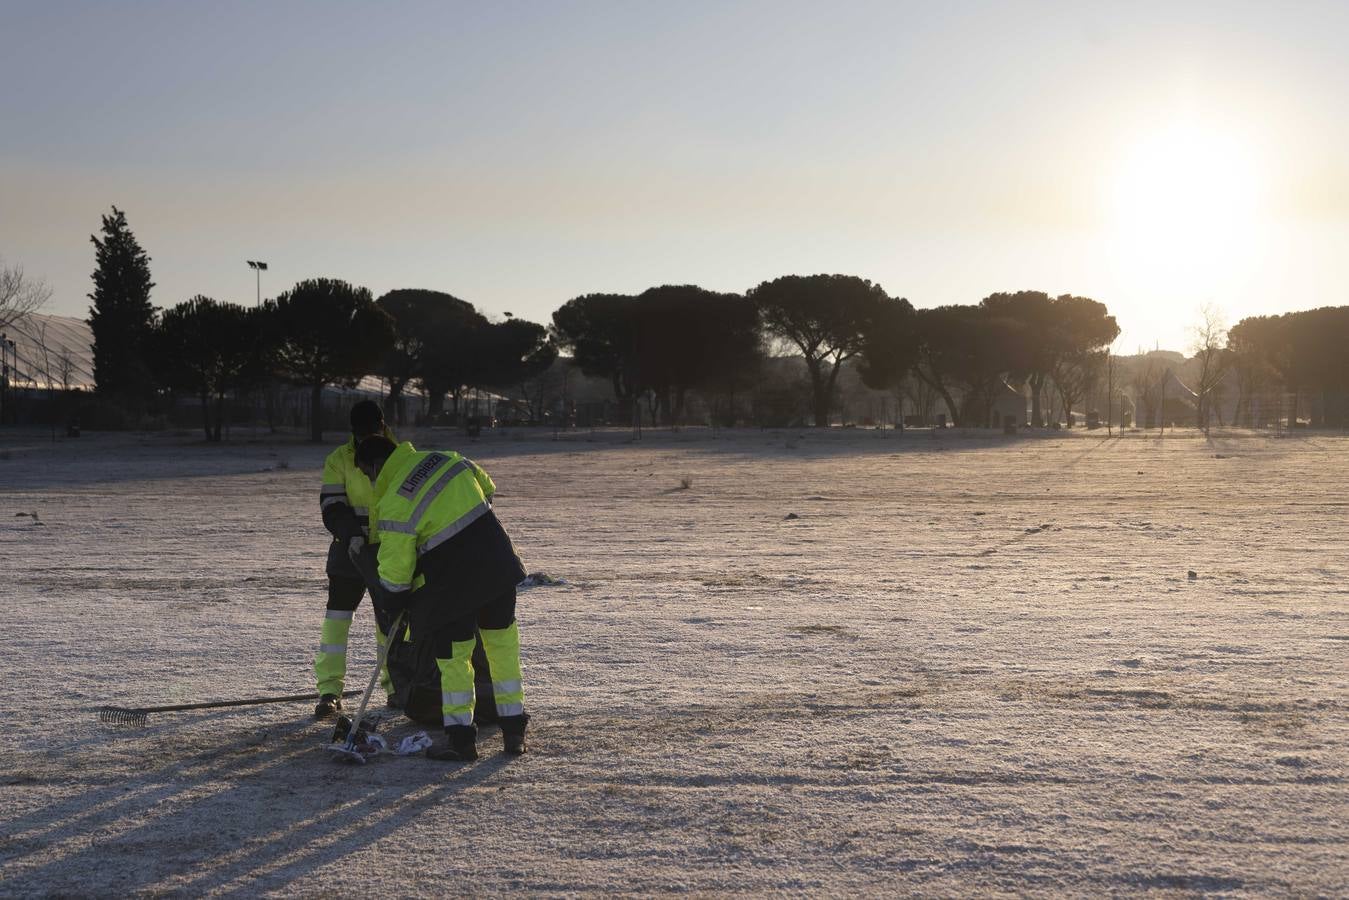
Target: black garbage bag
412 663
416 681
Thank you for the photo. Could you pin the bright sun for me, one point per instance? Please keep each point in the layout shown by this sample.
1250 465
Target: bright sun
1186 207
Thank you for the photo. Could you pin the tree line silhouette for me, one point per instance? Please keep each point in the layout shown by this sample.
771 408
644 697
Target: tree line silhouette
655 349
321 332
1301 353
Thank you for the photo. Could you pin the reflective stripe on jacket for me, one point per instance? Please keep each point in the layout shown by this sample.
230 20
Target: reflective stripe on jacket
343 483
422 499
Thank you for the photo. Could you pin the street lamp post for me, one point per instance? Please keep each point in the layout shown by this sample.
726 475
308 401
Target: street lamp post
259 268
4 374
9 361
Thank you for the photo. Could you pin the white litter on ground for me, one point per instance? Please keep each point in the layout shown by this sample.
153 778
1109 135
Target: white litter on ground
413 743
975 665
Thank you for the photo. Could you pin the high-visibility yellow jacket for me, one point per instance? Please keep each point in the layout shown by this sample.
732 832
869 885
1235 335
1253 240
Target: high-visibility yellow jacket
346 495
422 499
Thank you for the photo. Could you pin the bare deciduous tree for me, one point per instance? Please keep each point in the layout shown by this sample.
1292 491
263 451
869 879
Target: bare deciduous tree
1146 381
1209 348
921 395
1075 376
48 365
43 353
20 294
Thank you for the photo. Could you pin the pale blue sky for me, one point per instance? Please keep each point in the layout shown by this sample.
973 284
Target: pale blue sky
519 154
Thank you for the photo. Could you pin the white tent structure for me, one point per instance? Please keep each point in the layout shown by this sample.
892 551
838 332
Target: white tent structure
51 352
1175 389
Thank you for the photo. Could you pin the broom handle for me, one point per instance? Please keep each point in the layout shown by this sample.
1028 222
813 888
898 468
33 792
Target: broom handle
215 704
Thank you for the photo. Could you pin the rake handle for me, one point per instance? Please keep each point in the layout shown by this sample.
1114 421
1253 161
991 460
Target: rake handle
216 704
395 632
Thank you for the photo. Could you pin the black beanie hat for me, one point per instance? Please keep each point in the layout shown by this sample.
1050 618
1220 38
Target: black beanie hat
367 419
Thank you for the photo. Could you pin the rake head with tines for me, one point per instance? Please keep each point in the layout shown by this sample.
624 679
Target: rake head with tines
112 715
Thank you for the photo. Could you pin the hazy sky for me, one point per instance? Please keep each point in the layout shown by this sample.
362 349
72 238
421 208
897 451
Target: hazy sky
1154 156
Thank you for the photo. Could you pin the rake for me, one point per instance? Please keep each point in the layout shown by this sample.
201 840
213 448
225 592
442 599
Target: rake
118 715
350 731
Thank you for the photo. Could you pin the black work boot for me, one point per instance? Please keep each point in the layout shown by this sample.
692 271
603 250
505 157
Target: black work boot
328 706
461 744
513 733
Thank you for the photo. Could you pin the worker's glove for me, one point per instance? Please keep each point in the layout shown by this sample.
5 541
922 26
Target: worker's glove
354 547
391 603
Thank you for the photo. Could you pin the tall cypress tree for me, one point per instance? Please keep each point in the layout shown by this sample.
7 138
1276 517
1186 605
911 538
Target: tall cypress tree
121 317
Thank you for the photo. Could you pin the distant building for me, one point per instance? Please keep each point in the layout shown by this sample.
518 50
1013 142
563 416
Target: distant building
1010 403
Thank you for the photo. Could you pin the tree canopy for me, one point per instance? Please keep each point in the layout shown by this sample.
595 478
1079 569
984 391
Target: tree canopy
452 351
600 332
512 351
209 348
420 318
663 343
326 331
890 346
826 317
1302 351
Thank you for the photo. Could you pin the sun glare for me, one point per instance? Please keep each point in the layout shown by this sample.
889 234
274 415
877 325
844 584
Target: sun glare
1186 207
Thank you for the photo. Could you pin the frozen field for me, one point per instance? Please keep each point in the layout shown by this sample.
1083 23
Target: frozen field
966 666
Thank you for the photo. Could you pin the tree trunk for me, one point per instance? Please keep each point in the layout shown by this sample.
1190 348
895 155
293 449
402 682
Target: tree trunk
1068 399
939 386
819 393
219 415
1037 383
829 389
206 414
395 401
316 412
270 401
435 403
653 407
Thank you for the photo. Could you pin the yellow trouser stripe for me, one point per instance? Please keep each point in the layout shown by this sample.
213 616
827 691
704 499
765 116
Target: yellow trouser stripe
330 662
502 646
456 684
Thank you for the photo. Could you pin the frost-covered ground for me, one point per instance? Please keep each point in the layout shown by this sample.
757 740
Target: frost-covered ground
966 666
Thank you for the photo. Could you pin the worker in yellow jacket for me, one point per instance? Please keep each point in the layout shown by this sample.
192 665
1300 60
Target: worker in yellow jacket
345 499
445 558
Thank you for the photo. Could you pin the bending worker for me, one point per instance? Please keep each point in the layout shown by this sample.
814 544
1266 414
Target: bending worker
345 500
445 558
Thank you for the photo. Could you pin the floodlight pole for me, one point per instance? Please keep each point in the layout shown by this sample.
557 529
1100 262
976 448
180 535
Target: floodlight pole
9 370
258 268
4 373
